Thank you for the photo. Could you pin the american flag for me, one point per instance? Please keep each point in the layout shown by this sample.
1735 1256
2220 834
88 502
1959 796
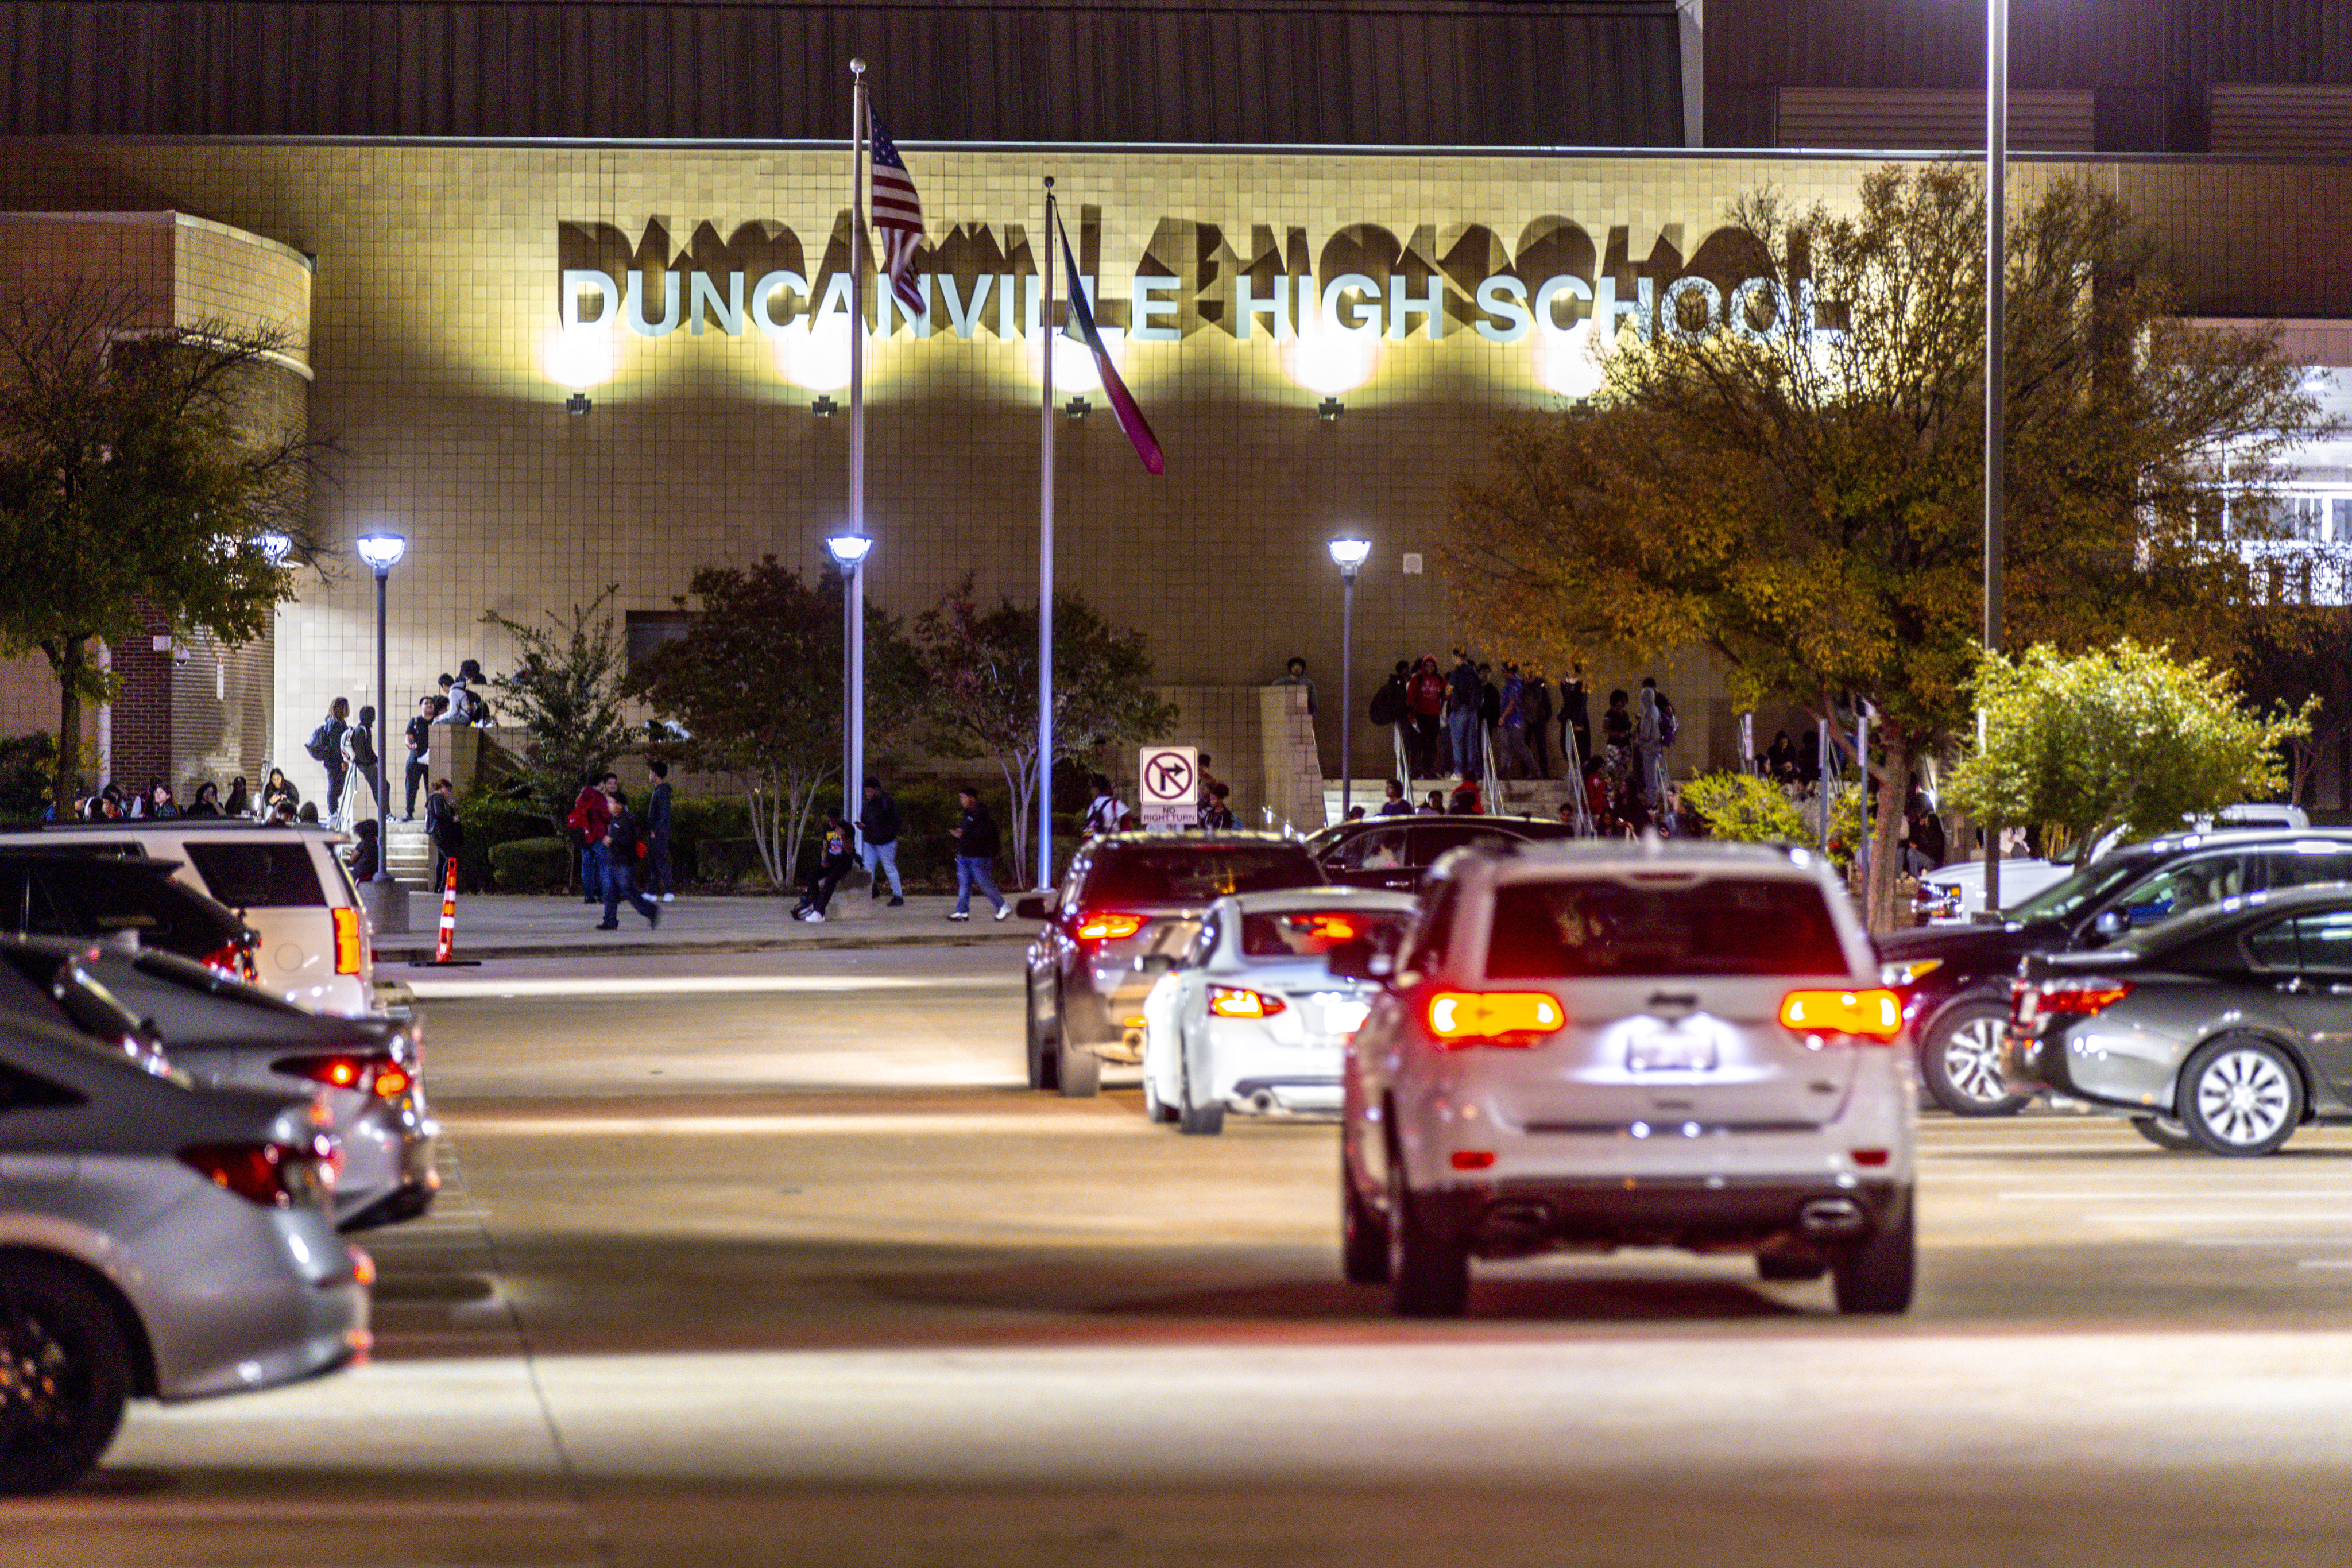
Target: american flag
899 213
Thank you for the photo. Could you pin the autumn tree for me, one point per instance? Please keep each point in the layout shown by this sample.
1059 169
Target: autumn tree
1789 472
754 689
141 469
980 666
2126 738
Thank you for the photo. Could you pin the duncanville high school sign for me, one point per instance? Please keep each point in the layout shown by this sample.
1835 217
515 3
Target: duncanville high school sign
1363 281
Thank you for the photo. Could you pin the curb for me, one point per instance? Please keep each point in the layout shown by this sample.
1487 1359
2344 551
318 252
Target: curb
422 955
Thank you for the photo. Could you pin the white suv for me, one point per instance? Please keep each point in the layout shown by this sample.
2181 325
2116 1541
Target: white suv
1592 1046
316 949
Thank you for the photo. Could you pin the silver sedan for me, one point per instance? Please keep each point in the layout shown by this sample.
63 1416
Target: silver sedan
156 1239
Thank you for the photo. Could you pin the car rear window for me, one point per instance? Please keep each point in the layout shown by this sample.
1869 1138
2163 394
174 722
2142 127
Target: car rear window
1181 873
1311 933
74 896
1716 926
251 876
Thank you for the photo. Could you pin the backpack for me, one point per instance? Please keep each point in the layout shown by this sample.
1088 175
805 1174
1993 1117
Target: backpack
1668 725
321 743
1387 702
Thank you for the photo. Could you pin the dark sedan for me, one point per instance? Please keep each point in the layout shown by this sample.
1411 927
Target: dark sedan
1955 979
2224 1029
1396 852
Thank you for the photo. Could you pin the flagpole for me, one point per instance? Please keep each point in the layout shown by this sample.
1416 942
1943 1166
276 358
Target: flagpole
853 582
1045 569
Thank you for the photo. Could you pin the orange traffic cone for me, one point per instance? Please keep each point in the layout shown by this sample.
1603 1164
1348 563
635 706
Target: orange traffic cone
446 943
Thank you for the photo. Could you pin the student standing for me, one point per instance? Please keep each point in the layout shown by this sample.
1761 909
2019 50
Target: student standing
976 844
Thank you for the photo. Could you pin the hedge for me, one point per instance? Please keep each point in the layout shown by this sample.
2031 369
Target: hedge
531 865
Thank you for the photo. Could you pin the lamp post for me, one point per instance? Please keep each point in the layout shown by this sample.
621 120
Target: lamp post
848 552
1996 434
382 551
1349 555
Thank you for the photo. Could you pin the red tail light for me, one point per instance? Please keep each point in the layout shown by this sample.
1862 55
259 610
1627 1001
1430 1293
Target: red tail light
275 1176
1459 1020
1110 927
1864 1015
378 1075
1232 1002
2084 995
227 960
348 951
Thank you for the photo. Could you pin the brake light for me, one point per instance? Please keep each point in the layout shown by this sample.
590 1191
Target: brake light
1473 1159
377 1075
1110 927
1232 1002
1459 1020
1868 1015
347 941
2084 997
227 961
275 1176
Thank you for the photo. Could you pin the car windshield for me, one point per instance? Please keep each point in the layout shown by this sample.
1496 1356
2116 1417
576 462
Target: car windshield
1710 925
1180 874
2077 894
1312 933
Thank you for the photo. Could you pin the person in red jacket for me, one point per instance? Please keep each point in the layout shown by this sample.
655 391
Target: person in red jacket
1424 697
592 814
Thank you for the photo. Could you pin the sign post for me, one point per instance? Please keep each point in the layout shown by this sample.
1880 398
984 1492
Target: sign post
1168 794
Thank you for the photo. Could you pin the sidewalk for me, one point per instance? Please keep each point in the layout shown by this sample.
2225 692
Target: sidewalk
515 925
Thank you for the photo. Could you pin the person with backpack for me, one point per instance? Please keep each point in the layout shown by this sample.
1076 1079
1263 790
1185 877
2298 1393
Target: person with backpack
624 846
1104 811
879 830
326 749
442 828
360 764
1388 704
592 814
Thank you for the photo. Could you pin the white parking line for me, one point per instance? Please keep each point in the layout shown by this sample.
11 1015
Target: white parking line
504 988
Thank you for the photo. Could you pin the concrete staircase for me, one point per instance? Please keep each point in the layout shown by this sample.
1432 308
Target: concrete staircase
1521 797
410 857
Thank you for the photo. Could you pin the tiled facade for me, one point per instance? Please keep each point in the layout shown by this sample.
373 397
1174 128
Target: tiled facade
442 369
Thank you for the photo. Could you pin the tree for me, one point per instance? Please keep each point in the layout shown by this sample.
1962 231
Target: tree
2299 658
1802 495
2127 737
755 687
980 669
140 468
565 693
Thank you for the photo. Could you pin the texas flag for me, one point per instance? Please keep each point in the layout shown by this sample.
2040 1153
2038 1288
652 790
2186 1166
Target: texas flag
1081 326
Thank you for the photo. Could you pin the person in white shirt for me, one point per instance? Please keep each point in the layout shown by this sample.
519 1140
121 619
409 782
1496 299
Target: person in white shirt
1104 812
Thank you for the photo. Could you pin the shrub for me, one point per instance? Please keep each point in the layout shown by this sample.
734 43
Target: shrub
491 819
1743 807
693 824
728 861
27 764
531 865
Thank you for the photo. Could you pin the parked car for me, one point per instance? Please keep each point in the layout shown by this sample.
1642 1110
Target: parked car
2224 1029
157 1239
1955 979
1253 1021
286 882
1085 993
1955 892
368 1072
1592 1046
1394 852
104 898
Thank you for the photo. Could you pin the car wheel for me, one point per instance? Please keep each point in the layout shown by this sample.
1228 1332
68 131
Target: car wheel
2165 1132
1043 1054
1363 1235
1079 1074
1429 1266
1876 1274
1192 1120
1788 1268
65 1373
1959 1062
2240 1097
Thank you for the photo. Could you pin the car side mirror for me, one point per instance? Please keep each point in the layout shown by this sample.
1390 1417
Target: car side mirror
1359 960
1035 906
2110 925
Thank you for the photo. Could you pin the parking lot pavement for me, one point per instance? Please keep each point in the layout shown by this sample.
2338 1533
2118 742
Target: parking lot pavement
763 1274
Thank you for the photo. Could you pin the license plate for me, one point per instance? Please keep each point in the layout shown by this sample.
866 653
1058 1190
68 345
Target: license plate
1342 1014
1671 1050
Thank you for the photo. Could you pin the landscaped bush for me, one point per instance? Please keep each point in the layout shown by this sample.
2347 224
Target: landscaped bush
725 862
693 824
531 865
491 819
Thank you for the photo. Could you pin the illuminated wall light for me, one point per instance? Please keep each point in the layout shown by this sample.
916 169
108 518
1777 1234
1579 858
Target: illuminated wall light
1569 362
1073 362
1331 359
580 356
816 355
